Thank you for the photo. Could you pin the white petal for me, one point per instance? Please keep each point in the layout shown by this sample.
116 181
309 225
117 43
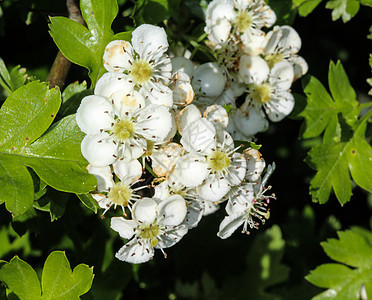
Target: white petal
136 253
191 170
299 65
93 114
210 208
237 170
162 191
253 69
158 121
128 171
254 42
158 94
145 210
279 106
103 175
290 39
229 225
208 80
102 201
98 150
172 236
199 137
217 115
219 32
273 37
195 211
281 75
251 121
124 227
149 39
117 56
126 102
187 116
172 211
183 64
213 189
110 82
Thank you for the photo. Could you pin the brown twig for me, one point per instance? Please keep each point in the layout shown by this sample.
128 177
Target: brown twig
61 65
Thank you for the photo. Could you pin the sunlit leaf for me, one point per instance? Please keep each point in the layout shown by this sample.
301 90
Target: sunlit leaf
344 281
345 9
55 157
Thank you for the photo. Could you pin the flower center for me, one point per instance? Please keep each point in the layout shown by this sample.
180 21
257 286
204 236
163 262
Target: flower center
140 71
150 232
120 194
123 130
243 21
218 161
261 93
272 59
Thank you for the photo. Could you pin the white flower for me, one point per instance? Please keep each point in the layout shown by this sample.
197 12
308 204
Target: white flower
120 128
247 203
270 90
145 62
119 193
225 18
211 164
283 43
155 224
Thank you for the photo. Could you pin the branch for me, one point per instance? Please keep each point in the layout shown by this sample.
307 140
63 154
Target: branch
61 65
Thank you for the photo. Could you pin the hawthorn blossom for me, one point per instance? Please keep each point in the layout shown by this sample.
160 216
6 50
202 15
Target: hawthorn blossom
225 18
117 193
283 43
155 224
211 163
145 61
119 127
247 203
268 89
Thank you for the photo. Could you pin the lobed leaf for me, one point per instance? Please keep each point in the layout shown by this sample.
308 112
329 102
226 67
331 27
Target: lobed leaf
85 46
60 282
55 157
20 278
345 9
354 249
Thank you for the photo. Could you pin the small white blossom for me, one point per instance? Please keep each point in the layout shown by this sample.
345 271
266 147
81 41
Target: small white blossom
145 62
155 224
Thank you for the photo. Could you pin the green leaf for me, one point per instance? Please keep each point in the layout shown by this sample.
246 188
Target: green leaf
305 7
321 110
33 107
366 2
10 241
55 157
351 249
89 201
345 9
60 282
333 163
20 278
85 46
284 10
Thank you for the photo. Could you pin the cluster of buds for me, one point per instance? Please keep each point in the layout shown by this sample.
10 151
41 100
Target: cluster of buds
144 115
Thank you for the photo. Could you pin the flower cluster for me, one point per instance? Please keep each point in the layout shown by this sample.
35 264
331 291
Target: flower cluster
254 69
159 113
